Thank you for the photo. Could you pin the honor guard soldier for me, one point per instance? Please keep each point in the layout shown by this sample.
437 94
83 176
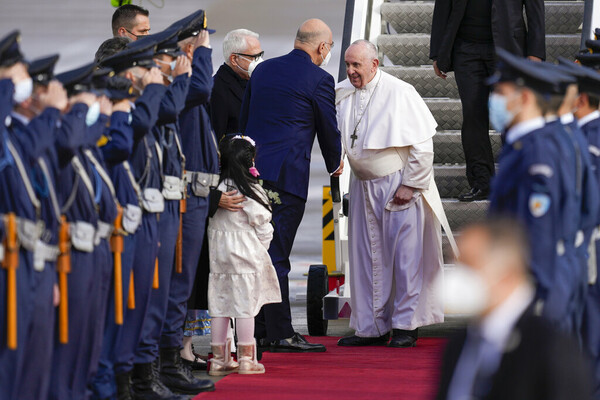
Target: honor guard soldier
588 119
581 222
530 185
170 156
201 174
134 62
21 214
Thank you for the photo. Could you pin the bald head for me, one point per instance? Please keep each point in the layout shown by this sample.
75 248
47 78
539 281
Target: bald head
316 39
313 31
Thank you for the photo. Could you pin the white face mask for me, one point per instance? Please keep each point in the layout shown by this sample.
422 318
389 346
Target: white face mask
326 59
23 90
93 114
171 64
251 66
465 292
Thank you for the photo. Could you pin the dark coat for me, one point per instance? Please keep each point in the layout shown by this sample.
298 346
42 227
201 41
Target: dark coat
288 101
542 364
226 101
508 28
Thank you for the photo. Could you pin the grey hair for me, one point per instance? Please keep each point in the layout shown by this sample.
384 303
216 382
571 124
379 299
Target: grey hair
236 42
371 48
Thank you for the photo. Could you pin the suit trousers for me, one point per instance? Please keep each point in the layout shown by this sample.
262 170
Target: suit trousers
274 321
104 386
473 63
147 350
194 222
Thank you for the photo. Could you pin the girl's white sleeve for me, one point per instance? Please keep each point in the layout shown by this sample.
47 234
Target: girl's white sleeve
260 219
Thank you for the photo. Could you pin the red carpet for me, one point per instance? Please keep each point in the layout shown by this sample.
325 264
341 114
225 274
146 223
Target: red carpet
340 373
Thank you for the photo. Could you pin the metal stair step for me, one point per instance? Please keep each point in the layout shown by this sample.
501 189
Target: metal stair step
425 81
451 180
413 49
460 214
415 16
448 147
447 113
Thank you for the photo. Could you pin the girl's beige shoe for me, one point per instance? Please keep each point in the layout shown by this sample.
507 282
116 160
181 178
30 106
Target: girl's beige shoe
247 359
222 364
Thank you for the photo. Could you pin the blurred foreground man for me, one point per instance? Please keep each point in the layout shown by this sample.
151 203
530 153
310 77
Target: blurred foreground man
395 209
507 352
288 101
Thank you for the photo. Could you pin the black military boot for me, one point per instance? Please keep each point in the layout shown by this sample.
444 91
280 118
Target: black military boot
146 385
177 376
123 386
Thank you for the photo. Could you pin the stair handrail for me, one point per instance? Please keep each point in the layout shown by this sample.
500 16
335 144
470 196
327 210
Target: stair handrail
591 21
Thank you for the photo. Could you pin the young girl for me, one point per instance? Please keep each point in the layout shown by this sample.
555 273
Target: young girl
242 278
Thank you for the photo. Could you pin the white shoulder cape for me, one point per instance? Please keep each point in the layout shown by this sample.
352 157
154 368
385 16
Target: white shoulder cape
397 114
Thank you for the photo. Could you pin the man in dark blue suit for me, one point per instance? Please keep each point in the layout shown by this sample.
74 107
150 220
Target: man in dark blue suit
288 100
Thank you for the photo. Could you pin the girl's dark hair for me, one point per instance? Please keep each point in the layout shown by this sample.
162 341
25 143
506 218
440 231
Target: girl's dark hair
237 157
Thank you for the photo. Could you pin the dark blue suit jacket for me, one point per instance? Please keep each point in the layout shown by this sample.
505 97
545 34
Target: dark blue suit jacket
288 100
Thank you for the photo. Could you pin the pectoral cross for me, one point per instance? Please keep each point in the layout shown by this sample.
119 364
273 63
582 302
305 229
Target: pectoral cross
353 137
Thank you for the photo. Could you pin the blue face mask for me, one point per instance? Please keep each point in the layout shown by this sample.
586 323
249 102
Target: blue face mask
500 117
93 114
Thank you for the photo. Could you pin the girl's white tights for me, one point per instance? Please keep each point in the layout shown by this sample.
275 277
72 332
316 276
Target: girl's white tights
244 327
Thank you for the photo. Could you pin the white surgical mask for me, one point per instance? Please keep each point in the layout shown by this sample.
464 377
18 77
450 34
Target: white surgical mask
171 64
465 292
169 77
326 59
93 114
23 90
252 65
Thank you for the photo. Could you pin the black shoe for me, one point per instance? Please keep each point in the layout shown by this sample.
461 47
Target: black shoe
145 384
402 338
474 195
178 377
364 341
296 344
197 365
123 386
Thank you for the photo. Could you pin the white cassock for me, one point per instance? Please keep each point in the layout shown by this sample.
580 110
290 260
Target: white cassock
395 252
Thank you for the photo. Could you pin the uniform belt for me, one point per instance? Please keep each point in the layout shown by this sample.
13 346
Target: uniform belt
83 236
1 252
44 253
204 177
103 231
29 233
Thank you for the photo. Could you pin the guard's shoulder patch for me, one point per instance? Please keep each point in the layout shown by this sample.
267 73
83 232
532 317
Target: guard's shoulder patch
539 204
541 169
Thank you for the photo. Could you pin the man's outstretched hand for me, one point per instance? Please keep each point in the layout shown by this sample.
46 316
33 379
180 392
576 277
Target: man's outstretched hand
340 170
439 72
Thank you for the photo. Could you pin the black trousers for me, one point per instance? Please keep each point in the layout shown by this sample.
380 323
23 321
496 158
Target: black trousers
473 63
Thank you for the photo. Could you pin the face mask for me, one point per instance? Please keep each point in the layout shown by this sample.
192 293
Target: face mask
93 113
171 64
169 77
326 59
500 117
251 66
465 292
136 87
23 90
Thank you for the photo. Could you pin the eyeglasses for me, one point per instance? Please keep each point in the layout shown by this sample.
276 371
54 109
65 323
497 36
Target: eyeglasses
329 44
256 57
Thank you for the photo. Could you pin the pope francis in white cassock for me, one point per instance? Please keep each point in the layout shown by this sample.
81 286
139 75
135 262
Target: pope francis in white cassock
395 217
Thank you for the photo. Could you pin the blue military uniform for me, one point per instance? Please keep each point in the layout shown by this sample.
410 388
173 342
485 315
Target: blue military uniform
202 169
535 185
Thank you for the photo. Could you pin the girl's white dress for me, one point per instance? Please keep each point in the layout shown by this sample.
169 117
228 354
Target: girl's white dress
242 277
